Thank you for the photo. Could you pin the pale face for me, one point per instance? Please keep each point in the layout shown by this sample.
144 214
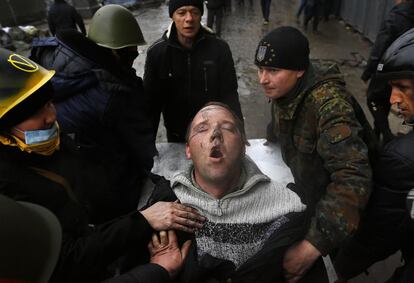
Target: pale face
187 20
215 145
278 82
41 120
402 95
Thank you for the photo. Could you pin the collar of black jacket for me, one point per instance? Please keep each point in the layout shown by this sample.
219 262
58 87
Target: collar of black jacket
171 35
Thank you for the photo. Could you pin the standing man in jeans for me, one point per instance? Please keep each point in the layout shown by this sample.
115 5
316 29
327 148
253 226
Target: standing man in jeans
215 13
265 4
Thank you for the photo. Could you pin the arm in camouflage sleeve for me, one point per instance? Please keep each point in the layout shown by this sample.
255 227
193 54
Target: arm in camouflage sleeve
345 157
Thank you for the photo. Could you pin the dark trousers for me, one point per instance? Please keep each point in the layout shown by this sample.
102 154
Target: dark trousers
312 11
301 8
265 8
327 9
227 6
217 16
241 2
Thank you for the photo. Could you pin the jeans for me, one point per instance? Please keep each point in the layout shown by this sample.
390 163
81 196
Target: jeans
216 14
265 9
301 8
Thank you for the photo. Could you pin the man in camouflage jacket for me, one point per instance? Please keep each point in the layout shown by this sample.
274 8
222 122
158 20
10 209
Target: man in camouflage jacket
322 130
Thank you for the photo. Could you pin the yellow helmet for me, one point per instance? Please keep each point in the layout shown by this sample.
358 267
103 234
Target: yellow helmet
19 78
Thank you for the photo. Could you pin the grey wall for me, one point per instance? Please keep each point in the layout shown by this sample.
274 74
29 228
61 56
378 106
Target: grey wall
365 15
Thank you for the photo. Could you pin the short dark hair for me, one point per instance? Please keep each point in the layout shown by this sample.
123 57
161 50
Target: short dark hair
238 122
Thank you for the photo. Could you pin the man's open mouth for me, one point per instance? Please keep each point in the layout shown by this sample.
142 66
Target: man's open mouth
216 152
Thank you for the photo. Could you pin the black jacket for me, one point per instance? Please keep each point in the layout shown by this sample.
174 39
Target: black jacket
386 226
180 81
86 251
100 106
399 20
62 16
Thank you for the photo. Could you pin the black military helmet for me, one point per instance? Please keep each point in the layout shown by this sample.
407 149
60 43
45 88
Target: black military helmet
398 60
24 87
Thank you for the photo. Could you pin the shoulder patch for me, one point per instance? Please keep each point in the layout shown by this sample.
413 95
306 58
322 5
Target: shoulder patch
338 133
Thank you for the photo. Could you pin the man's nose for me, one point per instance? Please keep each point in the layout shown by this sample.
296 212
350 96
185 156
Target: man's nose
188 17
395 96
50 116
263 77
216 135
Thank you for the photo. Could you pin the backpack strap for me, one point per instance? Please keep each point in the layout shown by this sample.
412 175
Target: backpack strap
56 179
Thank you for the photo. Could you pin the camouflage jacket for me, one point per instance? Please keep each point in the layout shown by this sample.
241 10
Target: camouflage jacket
322 141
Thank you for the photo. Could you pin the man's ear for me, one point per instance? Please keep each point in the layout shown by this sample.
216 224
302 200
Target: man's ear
187 151
299 74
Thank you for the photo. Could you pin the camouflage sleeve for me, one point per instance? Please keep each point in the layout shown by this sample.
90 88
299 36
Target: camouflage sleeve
345 157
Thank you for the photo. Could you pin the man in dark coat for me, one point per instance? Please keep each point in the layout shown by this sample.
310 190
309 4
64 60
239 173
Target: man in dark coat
62 16
323 134
101 104
387 226
34 168
399 20
186 68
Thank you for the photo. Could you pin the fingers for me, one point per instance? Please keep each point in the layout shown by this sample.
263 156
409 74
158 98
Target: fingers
158 243
188 223
185 249
172 237
163 238
177 226
155 240
188 212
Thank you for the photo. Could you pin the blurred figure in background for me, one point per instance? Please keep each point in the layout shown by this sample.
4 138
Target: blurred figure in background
62 16
265 4
399 20
215 9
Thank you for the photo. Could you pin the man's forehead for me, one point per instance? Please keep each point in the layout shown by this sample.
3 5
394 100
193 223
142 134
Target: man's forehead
188 8
210 110
402 82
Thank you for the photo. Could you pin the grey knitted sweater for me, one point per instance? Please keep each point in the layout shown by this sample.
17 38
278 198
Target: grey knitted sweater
239 223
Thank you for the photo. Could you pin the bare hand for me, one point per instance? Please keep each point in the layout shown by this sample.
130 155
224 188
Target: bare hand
173 216
165 252
298 259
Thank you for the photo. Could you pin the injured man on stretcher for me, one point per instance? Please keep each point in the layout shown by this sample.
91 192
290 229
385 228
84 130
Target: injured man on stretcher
251 218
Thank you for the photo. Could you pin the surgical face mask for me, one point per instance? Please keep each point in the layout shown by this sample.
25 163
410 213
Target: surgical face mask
39 136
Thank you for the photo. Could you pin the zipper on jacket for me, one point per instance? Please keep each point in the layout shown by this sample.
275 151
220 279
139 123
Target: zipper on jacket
205 80
189 78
